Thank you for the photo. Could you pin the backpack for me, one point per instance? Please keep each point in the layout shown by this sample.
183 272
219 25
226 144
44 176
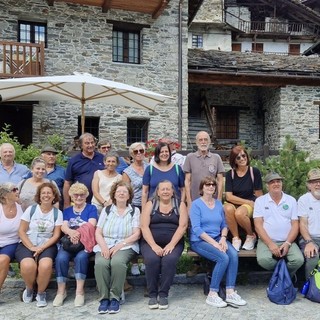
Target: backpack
313 292
175 165
251 174
281 289
55 212
174 202
108 208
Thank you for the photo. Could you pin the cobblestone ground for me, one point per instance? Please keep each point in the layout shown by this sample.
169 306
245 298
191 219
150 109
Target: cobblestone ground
186 301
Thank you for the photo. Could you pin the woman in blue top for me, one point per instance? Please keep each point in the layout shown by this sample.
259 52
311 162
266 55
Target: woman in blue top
208 238
75 217
162 169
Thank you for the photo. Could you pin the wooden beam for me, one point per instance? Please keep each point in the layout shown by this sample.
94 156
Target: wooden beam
158 11
50 2
316 102
249 80
106 5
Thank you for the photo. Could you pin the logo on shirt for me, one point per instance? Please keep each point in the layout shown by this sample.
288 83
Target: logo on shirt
285 207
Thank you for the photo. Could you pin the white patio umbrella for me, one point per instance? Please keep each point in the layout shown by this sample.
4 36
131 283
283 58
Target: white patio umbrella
78 87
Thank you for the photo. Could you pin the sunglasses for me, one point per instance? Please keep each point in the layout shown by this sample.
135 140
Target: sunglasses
80 195
241 156
14 189
138 151
210 184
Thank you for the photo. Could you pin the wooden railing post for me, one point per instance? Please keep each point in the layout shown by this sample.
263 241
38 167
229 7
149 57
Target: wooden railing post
266 152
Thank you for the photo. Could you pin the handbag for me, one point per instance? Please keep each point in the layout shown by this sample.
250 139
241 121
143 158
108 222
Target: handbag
67 245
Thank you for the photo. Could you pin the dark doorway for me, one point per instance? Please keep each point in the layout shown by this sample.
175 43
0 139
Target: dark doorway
19 116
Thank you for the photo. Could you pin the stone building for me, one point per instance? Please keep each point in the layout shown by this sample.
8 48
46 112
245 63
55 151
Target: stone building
250 79
140 43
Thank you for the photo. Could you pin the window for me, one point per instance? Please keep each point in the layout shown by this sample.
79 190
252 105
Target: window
91 125
32 32
236 47
125 46
294 49
197 41
227 122
137 130
257 47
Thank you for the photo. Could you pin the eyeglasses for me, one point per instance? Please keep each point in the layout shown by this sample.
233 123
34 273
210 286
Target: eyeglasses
243 155
14 189
79 195
138 151
105 147
122 191
210 184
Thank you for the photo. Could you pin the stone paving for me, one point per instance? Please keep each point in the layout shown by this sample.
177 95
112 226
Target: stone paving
186 301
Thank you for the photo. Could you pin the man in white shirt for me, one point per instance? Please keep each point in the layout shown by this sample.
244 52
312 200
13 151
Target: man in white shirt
309 217
276 222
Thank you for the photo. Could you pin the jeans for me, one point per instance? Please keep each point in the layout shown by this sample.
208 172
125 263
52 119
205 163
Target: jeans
81 262
226 262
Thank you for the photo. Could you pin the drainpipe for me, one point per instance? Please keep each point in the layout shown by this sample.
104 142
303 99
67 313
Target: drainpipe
180 75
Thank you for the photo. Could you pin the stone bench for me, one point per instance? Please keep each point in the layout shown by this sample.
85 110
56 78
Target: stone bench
242 253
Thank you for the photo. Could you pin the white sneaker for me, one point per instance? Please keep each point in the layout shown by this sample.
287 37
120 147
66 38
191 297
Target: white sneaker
236 243
250 242
41 300
235 299
135 269
27 296
216 301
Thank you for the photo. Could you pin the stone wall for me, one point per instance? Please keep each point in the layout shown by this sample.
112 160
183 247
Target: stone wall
80 39
244 98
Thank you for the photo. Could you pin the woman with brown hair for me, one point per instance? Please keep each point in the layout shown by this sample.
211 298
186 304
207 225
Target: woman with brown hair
39 232
243 186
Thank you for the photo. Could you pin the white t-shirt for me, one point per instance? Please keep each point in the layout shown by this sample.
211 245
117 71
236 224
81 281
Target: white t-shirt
9 227
41 225
309 207
276 217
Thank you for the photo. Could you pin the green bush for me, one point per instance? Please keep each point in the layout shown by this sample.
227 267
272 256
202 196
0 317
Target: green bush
292 164
25 155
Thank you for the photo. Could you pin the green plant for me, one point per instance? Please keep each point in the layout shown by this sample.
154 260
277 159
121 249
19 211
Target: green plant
292 164
25 155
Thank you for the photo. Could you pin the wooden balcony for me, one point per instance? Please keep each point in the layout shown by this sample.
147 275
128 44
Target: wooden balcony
21 59
279 28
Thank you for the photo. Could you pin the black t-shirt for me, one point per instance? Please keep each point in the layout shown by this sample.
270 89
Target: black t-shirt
243 187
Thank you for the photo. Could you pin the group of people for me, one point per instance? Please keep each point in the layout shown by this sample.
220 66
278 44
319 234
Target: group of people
116 210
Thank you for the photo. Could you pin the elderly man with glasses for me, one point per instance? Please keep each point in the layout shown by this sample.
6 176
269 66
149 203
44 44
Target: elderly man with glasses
308 212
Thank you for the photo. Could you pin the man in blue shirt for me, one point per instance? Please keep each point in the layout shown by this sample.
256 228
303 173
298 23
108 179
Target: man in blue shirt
82 166
10 171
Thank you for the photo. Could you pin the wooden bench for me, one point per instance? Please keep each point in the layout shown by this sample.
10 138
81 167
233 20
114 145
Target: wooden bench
242 253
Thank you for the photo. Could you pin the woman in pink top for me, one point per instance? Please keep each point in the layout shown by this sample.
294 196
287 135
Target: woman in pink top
10 213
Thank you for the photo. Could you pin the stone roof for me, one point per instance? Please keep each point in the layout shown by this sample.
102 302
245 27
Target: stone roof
253 63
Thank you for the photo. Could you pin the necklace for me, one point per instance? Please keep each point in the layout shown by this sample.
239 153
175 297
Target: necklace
11 208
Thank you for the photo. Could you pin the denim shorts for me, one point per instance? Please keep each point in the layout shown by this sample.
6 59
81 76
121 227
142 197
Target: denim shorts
9 250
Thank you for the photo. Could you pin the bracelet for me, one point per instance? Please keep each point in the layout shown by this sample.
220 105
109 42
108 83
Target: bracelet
104 202
124 243
288 243
308 241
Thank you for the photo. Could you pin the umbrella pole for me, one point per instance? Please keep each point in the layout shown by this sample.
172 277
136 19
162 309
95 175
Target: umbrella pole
82 117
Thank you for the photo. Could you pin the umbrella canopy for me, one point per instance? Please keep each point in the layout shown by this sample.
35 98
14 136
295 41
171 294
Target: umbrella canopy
79 87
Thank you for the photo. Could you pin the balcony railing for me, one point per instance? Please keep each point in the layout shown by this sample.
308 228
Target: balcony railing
291 28
21 59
